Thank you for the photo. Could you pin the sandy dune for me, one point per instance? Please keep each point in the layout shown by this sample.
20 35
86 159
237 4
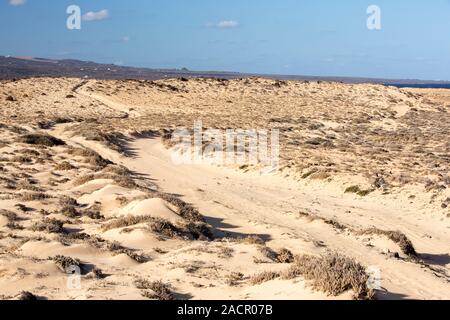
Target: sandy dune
108 193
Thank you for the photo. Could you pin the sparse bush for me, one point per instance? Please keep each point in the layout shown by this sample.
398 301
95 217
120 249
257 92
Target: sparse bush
234 278
263 277
358 191
160 290
164 227
70 211
67 201
333 274
200 230
252 239
37 196
186 211
27 296
397 237
126 222
49 225
285 256
64 166
64 262
41 139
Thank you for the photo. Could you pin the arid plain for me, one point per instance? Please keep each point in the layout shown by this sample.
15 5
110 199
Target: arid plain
87 180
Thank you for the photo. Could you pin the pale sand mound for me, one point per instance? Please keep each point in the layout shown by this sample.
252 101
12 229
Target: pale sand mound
155 207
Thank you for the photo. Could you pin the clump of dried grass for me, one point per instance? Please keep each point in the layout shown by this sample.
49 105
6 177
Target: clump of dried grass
200 230
251 239
185 210
27 296
37 196
91 157
164 228
49 225
333 274
41 139
397 237
160 290
263 277
64 166
64 262
126 222
360 192
284 256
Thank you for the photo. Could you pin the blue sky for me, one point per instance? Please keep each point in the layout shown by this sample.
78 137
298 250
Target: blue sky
320 37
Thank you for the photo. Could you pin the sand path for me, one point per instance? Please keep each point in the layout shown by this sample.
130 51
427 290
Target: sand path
237 203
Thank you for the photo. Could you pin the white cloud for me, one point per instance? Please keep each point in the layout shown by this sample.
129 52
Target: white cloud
95 16
125 39
228 24
17 2
225 24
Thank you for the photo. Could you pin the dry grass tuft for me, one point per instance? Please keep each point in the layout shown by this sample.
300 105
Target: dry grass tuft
27 296
397 237
37 196
64 262
49 225
160 290
126 222
41 139
64 166
164 228
263 277
285 256
333 274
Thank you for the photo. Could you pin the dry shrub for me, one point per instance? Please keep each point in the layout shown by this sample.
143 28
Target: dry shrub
122 178
113 140
21 159
49 225
64 166
117 248
185 210
30 152
41 139
11 216
160 290
268 252
27 296
200 230
14 226
226 253
94 212
397 237
234 278
92 157
358 191
67 201
252 239
70 211
333 274
127 222
164 227
37 196
64 262
84 179
27 185
285 256
263 277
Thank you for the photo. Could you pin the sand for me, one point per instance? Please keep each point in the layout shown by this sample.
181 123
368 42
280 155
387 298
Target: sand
137 216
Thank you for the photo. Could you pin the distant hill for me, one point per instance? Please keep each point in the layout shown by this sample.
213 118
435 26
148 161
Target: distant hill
24 67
